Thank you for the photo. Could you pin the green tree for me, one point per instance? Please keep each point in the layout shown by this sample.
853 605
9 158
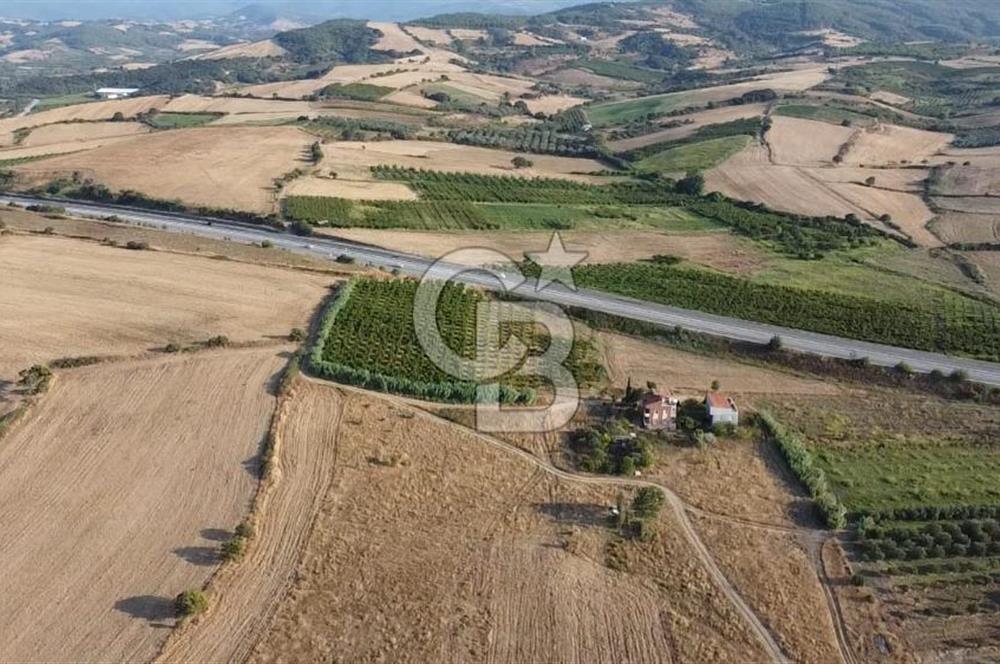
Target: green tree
693 184
190 602
647 502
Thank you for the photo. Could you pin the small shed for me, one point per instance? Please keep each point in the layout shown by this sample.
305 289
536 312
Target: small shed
722 409
116 93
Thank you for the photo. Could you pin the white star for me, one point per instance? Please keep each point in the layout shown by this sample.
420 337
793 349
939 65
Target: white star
557 264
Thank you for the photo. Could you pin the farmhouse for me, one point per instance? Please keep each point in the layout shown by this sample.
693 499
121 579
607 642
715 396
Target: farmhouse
115 93
659 412
722 409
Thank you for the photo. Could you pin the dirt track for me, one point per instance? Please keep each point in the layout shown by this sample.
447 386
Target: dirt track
114 495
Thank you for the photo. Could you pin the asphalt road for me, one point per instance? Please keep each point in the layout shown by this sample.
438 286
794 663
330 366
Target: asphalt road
730 328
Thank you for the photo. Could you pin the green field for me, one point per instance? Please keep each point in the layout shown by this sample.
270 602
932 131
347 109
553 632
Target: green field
934 90
954 325
694 156
182 120
48 103
621 70
831 114
902 473
620 112
368 338
356 91
462 215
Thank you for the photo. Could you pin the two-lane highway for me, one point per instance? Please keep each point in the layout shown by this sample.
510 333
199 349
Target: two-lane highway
696 321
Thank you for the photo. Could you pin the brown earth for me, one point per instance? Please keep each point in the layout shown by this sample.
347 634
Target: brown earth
798 142
573 77
891 144
115 493
439 37
65 298
718 250
231 167
98 110
773 570
751 176
690 374
75 132
258 49
469 553
361 190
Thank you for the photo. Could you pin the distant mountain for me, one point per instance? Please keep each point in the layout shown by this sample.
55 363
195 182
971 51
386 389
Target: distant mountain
268 11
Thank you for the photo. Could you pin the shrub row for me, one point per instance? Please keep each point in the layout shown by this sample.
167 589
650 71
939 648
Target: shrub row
802 463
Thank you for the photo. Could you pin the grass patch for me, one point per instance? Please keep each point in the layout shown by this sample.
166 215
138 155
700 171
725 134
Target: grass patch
620 112
48 103
695 156
621 70
830 114
356 91
182 120
906 472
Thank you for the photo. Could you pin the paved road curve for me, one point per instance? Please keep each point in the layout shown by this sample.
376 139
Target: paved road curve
730 328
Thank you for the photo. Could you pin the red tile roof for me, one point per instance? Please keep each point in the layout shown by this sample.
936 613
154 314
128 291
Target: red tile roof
654 398
716 400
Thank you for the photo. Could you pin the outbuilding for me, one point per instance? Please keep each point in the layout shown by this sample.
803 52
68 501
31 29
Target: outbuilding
722 409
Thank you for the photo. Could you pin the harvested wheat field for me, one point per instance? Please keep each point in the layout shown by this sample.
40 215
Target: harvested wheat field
691 374
67 298
359 190
720 251
891 144
462 33
258 49
954 227
749 176
410 97
574 77
796 142
432 545
394 38
908 211
971 180
698 120
240 105
551 104
430 35
89 133
221 167
776 572
488 86
354 159
416 70
820 192
98 110
115 493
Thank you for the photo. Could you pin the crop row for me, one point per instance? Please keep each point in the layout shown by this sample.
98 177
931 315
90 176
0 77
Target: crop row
974 330
541 141
933 540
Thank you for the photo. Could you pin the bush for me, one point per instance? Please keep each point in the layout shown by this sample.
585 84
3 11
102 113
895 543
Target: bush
219 341
245 530
266 244
297 335
137 245
647 502
233 548
190 603
302 228
172 348
775 344
35 380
